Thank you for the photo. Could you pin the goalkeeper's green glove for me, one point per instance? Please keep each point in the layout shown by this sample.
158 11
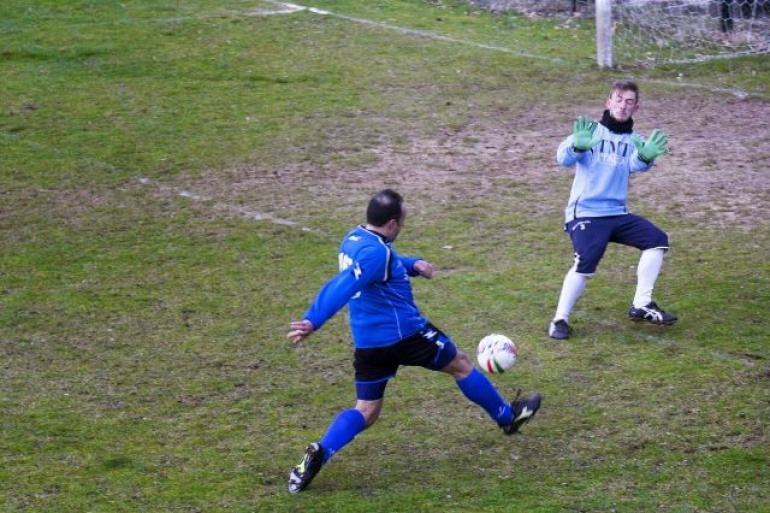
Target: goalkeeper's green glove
655 146
583 134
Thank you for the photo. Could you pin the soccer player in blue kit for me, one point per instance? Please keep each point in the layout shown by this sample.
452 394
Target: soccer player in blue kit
388 331
604 155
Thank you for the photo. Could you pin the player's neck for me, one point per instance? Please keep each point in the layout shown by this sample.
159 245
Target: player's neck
379 230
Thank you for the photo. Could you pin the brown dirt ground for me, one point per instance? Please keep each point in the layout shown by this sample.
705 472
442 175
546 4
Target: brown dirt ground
718 170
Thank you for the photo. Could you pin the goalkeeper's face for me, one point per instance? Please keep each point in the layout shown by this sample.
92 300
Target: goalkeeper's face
622 104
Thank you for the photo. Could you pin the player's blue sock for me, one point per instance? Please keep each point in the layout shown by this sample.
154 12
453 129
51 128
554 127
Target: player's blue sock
343 429
477 388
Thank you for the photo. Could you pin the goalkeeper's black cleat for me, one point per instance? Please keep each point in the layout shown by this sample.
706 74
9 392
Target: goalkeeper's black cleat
651 313
301 475
522 411
559 329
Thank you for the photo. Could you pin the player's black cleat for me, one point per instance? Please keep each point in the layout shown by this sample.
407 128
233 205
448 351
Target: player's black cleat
651 313
301 475
522 411
559 330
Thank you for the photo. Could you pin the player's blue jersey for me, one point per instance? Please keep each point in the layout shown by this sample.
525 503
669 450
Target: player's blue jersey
374 281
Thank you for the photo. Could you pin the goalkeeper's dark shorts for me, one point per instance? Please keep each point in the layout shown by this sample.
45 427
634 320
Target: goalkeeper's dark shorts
429 348
591 235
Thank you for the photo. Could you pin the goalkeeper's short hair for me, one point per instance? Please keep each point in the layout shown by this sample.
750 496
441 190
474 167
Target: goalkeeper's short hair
625 85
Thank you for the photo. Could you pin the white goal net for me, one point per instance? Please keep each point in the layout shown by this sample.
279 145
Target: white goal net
649 32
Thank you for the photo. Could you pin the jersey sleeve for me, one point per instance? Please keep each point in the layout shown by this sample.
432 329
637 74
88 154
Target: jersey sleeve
370 265
566 155
636 164
408 263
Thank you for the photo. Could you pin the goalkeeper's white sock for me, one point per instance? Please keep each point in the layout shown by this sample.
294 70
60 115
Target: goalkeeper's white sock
646 274
571 290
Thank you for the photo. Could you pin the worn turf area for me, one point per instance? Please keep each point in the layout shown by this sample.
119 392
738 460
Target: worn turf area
175 179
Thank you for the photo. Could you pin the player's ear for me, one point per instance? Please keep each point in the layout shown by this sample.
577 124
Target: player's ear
393 226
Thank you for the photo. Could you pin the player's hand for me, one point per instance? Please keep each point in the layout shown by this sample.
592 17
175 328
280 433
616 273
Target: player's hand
299 330
424 269
655 146
583 134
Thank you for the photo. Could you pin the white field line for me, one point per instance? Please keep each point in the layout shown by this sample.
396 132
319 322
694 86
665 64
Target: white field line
738 93
287 7
283 9
239 210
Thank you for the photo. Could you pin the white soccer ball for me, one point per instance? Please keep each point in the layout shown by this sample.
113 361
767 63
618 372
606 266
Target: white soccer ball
496 353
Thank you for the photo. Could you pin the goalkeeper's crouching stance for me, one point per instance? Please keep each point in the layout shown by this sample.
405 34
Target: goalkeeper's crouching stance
604 155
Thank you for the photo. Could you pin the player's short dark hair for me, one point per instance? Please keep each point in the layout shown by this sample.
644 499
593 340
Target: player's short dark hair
384 206
625 85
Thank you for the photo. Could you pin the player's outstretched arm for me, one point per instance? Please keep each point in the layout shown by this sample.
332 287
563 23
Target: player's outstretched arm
336 293
299 330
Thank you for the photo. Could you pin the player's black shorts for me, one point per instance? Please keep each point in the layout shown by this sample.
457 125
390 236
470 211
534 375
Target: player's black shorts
590 236
429 348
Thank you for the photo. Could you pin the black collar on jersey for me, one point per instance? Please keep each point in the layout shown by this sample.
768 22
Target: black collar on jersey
377 234
615 126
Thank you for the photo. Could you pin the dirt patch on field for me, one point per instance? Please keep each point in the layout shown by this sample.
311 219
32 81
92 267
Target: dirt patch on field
719 167
718 170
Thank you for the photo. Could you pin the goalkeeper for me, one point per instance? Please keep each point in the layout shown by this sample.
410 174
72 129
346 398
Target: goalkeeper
604 155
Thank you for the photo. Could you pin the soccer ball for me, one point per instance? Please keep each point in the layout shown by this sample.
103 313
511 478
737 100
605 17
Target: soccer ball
496 353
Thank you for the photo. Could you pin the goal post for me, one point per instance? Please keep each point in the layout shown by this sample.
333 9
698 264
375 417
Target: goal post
604 34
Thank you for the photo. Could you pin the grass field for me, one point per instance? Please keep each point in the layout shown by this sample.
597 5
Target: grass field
176 176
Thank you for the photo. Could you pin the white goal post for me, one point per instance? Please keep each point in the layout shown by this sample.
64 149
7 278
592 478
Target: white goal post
604 57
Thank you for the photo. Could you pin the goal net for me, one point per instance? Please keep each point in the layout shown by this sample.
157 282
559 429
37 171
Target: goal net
649 32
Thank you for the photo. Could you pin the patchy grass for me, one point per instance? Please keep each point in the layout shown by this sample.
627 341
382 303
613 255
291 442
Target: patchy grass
160 160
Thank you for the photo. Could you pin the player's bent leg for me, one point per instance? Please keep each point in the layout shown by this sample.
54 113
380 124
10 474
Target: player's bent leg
643 307
342 430
370 410
653 242
647 271
589 241
460 366
477 388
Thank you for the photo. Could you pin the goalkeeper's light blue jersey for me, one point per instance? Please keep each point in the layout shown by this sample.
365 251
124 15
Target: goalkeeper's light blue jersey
374 281
600 187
